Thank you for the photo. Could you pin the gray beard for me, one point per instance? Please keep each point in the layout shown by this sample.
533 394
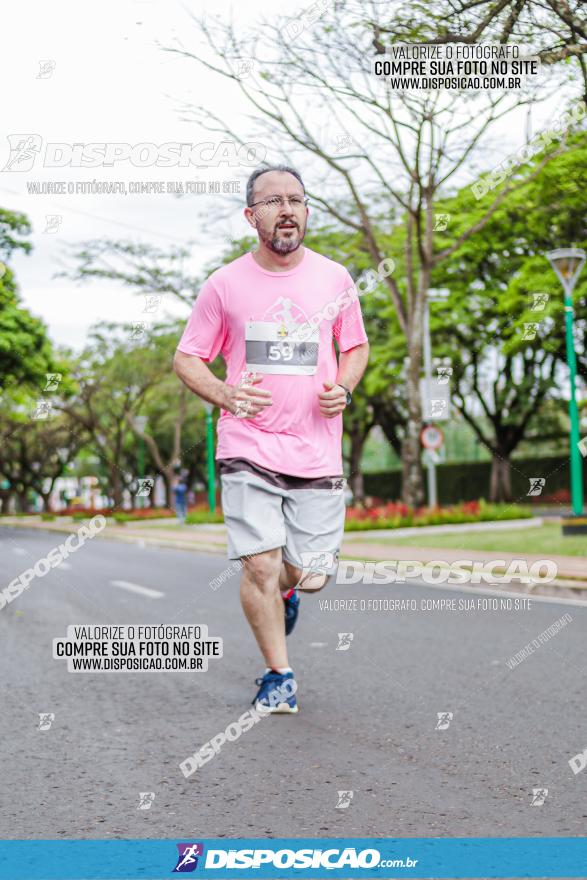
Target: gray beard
282 245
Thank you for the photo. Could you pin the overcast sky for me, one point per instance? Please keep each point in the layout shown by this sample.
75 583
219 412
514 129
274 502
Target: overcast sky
112 81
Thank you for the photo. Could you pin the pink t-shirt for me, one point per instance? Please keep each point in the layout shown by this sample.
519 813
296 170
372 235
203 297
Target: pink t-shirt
252 317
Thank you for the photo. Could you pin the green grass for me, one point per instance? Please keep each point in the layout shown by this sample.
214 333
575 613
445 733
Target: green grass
197 517
544 540
193 519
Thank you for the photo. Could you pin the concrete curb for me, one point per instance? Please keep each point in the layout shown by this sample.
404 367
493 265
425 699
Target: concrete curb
198 544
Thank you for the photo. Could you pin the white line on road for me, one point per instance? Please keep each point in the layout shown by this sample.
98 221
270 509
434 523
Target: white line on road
137 588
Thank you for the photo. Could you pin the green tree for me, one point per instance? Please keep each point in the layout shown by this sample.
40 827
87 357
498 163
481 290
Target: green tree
124 373
505 314
25 350
34 451
556 30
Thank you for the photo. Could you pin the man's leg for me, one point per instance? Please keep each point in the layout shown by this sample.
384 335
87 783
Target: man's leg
252 504
291 576
263 605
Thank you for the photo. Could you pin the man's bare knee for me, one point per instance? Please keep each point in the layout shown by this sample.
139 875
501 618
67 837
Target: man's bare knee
263 568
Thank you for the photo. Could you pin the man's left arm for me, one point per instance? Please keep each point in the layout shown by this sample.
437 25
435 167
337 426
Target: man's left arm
351 366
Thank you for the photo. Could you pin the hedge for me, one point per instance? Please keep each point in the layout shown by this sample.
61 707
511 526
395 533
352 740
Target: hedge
467 481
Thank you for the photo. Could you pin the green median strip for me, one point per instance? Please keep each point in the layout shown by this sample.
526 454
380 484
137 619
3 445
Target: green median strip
546 540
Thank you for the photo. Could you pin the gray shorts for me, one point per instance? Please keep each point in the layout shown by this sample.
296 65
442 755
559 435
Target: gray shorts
264 510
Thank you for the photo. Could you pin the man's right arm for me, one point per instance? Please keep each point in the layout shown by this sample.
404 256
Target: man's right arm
246 401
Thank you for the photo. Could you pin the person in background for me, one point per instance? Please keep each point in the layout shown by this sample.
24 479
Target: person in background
180 490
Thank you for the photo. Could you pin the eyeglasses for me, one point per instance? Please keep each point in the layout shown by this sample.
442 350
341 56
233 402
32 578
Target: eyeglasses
279 202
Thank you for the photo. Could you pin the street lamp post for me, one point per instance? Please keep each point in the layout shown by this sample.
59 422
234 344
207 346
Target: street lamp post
210 458
141 423
436 294
567 263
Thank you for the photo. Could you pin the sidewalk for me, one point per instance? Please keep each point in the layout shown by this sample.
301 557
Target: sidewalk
211 538
569 567
491 526
205 538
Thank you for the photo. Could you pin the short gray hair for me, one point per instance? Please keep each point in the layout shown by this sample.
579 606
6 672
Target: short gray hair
263 170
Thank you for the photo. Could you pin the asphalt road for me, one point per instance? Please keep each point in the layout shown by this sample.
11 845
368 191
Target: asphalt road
367 723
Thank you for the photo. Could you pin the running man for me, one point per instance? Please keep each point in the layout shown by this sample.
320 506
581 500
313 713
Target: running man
273 315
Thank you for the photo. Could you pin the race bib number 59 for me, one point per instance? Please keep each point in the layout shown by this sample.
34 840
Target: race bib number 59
272 348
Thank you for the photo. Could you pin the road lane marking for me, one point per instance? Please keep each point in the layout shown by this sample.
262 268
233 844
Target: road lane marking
137 588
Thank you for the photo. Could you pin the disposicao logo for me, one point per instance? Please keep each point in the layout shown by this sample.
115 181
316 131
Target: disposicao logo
188 857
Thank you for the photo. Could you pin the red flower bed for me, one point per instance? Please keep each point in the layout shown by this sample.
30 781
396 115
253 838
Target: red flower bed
395 514
149 512
87 511
398 508
561 496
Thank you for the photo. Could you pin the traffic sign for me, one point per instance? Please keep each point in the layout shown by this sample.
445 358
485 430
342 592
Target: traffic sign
431 437
435 397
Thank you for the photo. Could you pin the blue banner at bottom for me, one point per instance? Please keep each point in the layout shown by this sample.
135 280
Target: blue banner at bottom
294 857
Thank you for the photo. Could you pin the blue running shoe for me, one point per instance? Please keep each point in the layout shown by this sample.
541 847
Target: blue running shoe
277 693
292 609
